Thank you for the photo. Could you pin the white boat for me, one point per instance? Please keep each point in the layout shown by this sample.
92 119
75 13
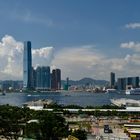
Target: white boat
135 91
111 91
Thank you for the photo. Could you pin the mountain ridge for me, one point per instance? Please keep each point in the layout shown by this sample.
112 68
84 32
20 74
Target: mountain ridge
87 81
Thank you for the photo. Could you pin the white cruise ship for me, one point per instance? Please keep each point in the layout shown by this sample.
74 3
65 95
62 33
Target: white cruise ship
135 91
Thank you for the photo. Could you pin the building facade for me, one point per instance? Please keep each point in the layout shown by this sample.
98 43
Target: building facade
56 79
112 80
33 78
127 83
121 83
27 66
8 85
43 79
136 82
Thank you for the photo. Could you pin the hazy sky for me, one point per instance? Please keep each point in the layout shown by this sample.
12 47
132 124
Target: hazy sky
84 38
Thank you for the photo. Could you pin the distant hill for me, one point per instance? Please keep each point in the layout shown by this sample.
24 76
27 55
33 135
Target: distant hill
87 81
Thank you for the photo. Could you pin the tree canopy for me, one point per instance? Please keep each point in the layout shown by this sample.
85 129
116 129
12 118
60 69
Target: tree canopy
15 119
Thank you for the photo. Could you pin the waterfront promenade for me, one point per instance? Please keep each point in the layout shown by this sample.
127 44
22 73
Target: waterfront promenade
129 109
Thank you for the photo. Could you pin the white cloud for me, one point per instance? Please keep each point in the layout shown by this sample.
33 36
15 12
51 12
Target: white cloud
131 45
43 56
133 26
11 58
127 58
134 59
82 62
117 64
75 62
78 62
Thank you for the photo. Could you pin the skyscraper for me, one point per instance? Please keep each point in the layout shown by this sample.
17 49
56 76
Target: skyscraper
112 80
136 82
43 80
66 85
33 78
121 83
56 79
132 82
127 83
27 65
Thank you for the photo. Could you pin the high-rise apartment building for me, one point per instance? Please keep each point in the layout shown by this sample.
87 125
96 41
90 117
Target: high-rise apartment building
112 80
121 84
27 66
132 82
127 83
56 79
135 82
33 82
43 81
66 85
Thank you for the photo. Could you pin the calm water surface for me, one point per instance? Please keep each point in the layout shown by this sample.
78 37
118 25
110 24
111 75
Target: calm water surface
65 98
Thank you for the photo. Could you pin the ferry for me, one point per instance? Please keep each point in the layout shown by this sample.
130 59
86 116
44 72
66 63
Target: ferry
132 91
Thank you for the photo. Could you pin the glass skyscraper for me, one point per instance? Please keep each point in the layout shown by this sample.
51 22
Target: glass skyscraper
27 66
112 80
128 83
56 79
43 79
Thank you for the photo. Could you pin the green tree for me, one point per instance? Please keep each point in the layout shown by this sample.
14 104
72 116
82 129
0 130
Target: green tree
10 118
80 134
14 119
32 130
52 126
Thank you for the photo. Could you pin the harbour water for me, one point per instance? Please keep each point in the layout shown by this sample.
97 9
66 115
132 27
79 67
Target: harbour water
65 98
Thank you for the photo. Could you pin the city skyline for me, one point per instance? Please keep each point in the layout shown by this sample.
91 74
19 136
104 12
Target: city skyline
39 78
82 38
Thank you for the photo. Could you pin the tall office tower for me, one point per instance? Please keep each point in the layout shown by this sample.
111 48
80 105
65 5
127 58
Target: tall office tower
67 81
128 83
27 65
53 80
121 83
56 79
33 81
43 78
129 80
112 80
133 82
